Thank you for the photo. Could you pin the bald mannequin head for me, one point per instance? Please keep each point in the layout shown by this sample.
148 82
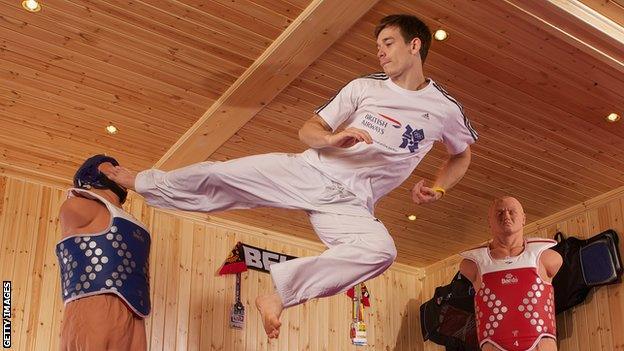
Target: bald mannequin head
506 217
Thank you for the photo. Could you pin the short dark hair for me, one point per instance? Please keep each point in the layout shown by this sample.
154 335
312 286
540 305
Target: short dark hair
411 27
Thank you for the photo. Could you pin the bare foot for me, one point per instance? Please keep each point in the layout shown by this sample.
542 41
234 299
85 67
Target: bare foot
118 174
270 308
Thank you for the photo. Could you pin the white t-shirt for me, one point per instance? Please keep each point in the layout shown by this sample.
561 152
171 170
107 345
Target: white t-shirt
404 124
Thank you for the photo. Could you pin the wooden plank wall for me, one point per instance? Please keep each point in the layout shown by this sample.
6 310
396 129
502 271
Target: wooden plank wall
597 323
190 304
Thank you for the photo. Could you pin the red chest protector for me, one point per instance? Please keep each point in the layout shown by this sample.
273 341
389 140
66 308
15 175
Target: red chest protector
515 309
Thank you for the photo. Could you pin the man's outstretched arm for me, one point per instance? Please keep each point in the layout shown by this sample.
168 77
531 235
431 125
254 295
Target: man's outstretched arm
450 174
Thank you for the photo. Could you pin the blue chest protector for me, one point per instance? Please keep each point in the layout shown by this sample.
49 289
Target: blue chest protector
114 261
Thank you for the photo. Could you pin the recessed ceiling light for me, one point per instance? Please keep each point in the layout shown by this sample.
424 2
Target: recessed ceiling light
411 217
31 5
111 129
613 117
440 35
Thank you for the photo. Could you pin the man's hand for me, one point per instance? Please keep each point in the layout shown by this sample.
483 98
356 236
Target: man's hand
120 175
317 134
452 171
422 194
348 138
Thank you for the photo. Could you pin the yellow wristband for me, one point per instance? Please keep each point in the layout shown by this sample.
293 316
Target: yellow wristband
439 189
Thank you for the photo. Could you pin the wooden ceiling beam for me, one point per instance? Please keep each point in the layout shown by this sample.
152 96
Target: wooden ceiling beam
310 35
597 15
610 9
587 30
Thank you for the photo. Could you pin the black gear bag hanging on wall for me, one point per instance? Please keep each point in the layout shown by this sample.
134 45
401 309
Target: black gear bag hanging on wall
448 317
586 263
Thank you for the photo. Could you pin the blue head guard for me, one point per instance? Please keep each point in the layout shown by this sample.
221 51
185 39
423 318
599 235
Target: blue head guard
88 176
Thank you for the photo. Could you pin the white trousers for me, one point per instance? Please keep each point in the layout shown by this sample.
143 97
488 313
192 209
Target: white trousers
359 246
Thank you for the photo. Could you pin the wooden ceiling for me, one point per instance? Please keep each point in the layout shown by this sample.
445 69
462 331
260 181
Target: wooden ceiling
180 77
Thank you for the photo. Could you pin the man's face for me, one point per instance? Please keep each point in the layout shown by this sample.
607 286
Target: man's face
506 216
396 56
